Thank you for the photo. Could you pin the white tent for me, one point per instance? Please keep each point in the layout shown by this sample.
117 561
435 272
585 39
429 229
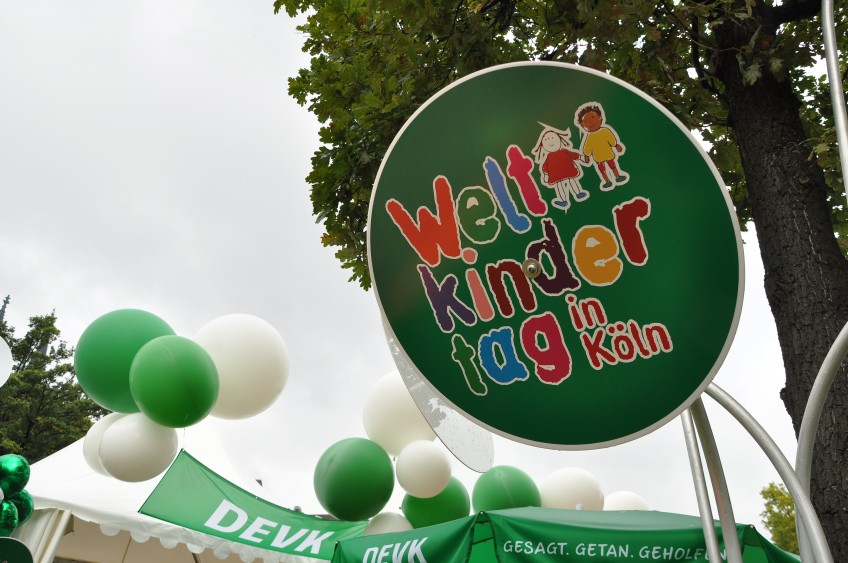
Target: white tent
82 516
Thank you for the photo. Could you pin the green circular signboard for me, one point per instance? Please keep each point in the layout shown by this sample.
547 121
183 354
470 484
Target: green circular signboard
556 255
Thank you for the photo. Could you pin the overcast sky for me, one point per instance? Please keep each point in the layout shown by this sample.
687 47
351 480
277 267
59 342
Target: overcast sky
151 158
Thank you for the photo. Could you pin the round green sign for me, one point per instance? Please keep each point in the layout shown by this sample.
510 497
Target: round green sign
556 255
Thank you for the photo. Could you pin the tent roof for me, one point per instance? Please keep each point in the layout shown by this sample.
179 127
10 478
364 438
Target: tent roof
65 481
555 534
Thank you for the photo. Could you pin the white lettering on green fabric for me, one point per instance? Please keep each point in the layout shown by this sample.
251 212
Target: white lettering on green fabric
259 529
396 551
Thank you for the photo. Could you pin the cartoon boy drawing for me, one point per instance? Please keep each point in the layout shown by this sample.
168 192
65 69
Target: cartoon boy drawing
600 145
559 161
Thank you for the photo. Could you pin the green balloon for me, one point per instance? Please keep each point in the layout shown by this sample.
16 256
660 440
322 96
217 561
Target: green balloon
450 504
14 473
23 502
502 487
106 351
174 381
8 518
354 479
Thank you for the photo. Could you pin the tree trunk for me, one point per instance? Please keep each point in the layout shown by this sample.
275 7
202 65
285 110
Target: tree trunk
806 276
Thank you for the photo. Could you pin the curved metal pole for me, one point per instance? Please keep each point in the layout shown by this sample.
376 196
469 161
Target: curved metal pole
827 373
700 482
834 78
812 416
732 550
802 500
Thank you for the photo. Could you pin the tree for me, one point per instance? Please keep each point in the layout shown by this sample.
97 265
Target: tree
737 71
44 408
779 516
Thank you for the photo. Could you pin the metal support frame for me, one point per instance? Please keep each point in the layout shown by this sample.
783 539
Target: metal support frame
700 481
805 510
830 366
815 543
733 551
810 424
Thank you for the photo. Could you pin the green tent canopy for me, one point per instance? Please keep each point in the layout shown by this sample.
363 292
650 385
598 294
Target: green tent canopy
543 535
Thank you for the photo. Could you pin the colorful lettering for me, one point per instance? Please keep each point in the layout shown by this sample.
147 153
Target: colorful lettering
443 300
463 354
562 277
553 361
477 211
504 369
519 169
517 221
595 251
627 217
433 235
497 274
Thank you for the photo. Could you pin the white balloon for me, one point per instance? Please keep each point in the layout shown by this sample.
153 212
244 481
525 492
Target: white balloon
135 448
91 443
569 487
625 500
6 362
386 522
252 361
391 417
423 469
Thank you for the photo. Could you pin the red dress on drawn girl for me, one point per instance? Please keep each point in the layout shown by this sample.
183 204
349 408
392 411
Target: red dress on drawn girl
560 165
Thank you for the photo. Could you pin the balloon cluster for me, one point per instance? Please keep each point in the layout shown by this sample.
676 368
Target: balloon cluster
567 488
132 363
16 506
354 478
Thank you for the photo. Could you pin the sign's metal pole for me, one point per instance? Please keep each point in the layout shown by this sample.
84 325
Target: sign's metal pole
804 507
732 549
700 482
810 422
834 78
837 352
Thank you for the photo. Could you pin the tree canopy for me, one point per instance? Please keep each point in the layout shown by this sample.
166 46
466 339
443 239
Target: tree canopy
779 516
44 408
374 63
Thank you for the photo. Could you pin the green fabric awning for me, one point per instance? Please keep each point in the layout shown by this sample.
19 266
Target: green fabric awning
543 535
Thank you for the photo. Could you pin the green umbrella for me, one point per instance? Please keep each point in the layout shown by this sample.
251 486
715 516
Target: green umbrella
545 535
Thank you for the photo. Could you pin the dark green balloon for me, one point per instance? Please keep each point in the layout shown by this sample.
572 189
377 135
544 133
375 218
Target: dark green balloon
450 504
502 487
23 502
106 351
174 381
354 479
8 518
14 473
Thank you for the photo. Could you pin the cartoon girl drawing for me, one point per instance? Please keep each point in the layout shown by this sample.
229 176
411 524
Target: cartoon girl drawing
559 165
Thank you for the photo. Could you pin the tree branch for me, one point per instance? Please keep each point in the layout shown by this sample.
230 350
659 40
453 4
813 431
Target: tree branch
703 79
795 10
